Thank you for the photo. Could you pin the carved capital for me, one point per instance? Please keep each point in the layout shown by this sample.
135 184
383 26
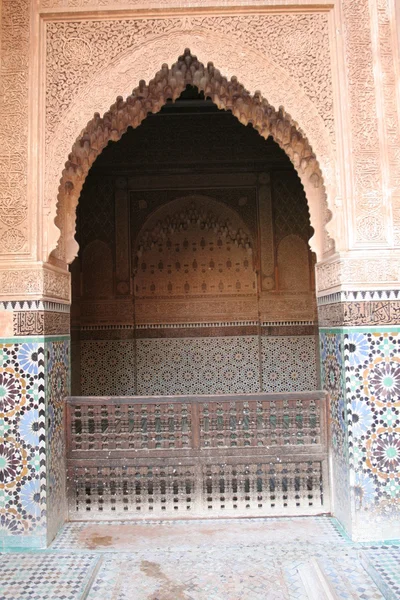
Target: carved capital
371 270
34 281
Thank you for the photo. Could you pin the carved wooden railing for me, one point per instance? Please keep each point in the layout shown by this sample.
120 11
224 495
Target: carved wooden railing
239 455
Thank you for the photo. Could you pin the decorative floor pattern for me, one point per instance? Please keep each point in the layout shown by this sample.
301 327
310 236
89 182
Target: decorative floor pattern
237 572
383 564
45 576
235 559
136 537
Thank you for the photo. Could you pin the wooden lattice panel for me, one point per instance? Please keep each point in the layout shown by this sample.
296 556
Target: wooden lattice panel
197 456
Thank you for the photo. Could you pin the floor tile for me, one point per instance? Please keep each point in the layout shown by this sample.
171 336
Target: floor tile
45 576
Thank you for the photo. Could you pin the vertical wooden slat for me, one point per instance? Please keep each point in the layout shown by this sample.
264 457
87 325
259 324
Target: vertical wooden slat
195 422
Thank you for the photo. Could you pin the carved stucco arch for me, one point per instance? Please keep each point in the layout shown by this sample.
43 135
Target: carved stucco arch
169 83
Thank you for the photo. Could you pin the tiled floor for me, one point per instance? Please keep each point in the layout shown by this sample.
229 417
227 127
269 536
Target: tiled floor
383 564
251 559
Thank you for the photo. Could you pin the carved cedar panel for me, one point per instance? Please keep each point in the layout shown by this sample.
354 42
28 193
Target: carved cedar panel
97 270
290 209
293 265
96 212
194 247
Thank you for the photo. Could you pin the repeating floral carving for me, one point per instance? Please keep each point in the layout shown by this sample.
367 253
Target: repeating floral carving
356 271
367 161
140 4
390 123
45 282
86 44
14 126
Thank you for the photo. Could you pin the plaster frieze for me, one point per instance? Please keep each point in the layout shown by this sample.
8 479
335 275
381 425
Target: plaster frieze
34 281
362 313
183 5
358 271
31 322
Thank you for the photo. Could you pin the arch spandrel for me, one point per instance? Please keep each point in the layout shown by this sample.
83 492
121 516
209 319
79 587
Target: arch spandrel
257 70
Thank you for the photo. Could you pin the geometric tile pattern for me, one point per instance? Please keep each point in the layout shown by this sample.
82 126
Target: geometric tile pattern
117 536
209 365
361 372
372 362
22 442
47 576
107 367
232 572
257 559
289 363
215 365
347 577
57 388
383 564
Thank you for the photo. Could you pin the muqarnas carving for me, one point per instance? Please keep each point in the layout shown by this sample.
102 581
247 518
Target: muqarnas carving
191 247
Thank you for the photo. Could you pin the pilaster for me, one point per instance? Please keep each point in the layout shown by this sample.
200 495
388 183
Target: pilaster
34 381
360 358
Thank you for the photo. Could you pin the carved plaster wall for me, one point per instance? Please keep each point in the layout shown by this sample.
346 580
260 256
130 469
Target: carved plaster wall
282 61
14 69
226 95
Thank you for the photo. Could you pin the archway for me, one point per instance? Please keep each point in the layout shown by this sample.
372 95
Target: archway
149 98
185 287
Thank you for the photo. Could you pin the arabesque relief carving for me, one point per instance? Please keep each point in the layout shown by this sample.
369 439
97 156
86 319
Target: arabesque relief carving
376 136
14 38
347 314
40 282
358 272
169 84
298 42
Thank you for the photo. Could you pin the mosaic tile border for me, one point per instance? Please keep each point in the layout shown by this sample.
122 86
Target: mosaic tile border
44 305
29 386
357 296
